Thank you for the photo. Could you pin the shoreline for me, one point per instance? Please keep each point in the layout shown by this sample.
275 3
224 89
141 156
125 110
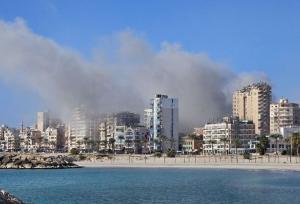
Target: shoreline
229 167
191 163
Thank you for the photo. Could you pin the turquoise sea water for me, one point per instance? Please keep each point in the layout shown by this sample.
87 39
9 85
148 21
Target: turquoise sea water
123 185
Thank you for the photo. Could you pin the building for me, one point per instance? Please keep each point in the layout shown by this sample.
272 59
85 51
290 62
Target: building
222 137
54 138
127 119
42 121
82 128
165 122
252 103
9 140
148 118
283 141
190 144
107 130
283 114
288 131
199 131
131 140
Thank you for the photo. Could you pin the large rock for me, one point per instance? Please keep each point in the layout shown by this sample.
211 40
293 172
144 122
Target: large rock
7 198
29 161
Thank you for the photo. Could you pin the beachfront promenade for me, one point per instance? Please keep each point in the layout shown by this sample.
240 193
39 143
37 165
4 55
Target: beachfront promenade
196 161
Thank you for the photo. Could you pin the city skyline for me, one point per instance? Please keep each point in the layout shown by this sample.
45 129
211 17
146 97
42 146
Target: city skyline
229 48
196 101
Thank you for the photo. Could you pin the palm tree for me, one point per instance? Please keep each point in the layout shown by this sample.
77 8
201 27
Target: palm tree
236 143
276 137
296 142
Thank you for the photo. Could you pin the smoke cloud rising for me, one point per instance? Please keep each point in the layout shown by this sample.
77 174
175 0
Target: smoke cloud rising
123 75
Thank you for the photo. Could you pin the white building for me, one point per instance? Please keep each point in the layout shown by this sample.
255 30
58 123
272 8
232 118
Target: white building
9 140
42 121
283 114
220 137
165 122
131 139
82 127
287 132
148 118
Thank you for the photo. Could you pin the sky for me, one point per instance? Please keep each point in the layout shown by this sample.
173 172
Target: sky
246 36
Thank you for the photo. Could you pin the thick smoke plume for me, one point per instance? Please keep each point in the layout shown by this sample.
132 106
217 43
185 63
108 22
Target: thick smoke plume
122 76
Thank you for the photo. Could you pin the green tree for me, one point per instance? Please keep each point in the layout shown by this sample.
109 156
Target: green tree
237 143
262 145
296 142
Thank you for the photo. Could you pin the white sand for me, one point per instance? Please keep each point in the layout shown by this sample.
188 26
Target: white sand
260 163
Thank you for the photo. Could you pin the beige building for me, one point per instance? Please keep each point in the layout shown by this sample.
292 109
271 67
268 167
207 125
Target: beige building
283 114
253 103
54 138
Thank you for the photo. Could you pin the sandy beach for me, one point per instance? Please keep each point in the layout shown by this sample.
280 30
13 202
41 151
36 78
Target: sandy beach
221 162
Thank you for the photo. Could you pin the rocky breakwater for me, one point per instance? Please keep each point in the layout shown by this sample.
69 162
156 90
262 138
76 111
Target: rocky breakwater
7 198
30 161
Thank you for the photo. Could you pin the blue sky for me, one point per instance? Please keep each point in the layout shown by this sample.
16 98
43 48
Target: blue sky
248 36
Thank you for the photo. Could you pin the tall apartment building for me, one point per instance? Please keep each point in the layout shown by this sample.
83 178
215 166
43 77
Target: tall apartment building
230 128
283 114
165 121
42 121
83 126
253 103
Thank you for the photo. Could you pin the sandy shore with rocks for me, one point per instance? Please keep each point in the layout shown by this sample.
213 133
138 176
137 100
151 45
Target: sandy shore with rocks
216 162
35 161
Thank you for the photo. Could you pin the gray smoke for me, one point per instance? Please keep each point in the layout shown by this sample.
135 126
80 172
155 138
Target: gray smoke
124 74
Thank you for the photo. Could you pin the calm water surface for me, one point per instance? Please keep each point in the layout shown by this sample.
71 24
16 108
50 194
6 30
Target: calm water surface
113 185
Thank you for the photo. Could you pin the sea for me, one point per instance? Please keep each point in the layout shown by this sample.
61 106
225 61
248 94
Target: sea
152 185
